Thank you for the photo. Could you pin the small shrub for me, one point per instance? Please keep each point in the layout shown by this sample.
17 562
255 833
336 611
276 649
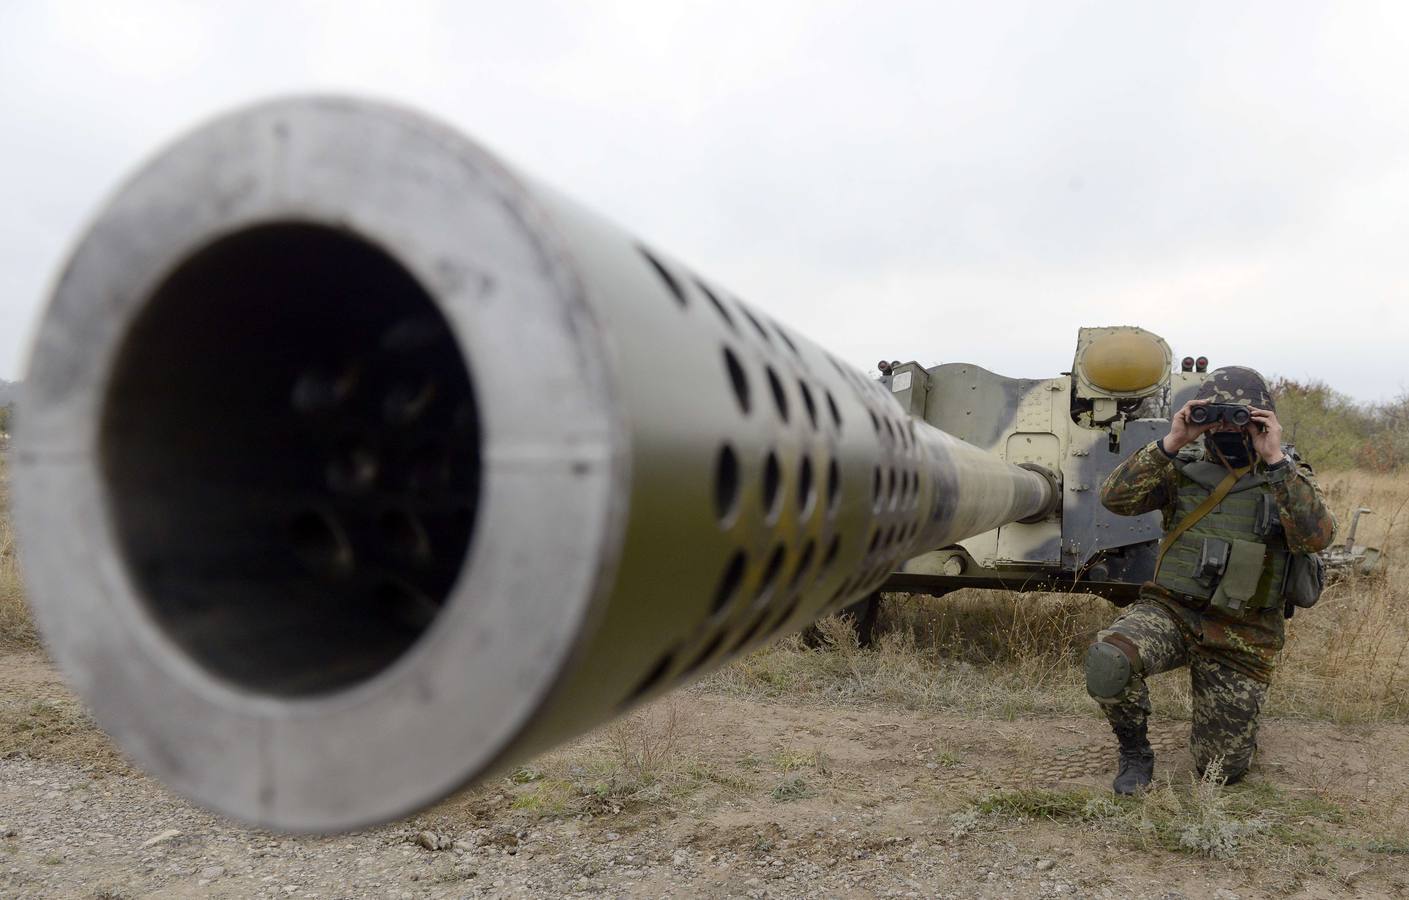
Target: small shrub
1210 830
646 742
964 821
795 788
636 761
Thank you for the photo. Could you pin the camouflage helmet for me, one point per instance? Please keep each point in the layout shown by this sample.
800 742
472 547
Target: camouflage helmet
1236 384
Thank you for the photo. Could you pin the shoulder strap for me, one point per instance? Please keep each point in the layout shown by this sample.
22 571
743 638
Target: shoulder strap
1213 499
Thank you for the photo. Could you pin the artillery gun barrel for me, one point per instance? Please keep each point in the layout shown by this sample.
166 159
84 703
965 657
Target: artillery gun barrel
355 465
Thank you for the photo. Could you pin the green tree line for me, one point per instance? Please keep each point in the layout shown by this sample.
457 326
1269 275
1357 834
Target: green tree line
1332 431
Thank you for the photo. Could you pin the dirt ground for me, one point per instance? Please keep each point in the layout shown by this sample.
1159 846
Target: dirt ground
744 799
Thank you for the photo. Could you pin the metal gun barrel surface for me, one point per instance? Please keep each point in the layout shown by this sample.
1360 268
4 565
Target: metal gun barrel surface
355 465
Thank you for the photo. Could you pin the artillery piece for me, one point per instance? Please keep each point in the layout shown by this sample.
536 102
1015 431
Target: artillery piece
1117 397
1088 549
357 465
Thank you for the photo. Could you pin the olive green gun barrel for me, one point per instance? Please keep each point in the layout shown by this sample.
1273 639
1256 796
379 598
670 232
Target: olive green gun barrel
355 465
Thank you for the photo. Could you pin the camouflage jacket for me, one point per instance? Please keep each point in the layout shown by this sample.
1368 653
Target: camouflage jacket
1148 481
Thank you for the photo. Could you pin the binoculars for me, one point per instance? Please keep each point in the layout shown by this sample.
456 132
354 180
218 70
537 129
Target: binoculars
1232 413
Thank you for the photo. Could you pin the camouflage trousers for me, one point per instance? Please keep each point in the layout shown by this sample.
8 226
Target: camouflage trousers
1226 701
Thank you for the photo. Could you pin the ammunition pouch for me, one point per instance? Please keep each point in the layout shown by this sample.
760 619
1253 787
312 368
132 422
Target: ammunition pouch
1213 561
1306 578
1238 584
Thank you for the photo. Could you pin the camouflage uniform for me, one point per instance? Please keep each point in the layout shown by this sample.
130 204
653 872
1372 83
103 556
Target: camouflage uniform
1230 659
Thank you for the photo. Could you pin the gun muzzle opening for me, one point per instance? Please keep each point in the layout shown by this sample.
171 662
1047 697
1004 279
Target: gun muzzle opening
290 446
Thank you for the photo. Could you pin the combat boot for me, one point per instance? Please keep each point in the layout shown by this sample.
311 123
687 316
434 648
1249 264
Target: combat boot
1137 759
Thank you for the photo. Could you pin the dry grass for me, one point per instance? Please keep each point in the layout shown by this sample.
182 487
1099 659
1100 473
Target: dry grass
1278 837
1346 659
16 627
902 671
49 725
57 728
1005 654
637 761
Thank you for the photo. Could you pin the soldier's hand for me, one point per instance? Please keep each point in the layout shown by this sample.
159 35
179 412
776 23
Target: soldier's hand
1181 430
1266 434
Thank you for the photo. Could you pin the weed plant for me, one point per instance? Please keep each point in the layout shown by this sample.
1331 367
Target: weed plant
639 760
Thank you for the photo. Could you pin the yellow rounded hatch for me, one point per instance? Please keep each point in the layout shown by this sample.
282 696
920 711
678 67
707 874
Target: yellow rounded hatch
1124 362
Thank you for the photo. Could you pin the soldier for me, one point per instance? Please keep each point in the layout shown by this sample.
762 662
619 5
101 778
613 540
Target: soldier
1233 522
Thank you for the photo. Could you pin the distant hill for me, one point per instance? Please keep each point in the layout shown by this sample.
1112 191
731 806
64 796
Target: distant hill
9 392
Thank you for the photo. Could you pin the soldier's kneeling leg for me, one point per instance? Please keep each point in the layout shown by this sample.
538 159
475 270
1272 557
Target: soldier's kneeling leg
1113 679
1227 706
1145 640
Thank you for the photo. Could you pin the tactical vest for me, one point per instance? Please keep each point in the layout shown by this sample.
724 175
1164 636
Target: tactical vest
1235 557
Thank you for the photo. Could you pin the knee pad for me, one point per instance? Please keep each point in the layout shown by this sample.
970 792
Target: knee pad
1107 671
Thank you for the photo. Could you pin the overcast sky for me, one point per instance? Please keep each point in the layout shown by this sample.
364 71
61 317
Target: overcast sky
940 182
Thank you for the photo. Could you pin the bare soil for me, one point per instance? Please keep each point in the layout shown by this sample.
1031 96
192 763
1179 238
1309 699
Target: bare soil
744 798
